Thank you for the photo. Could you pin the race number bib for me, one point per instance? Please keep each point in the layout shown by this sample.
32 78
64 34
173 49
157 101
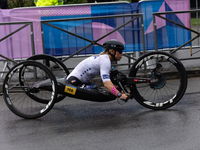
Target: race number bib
70 89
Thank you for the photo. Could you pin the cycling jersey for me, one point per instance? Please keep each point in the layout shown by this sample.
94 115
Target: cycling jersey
91 67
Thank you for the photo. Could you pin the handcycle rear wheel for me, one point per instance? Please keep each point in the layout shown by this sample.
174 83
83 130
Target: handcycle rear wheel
168 80
20 97
55 65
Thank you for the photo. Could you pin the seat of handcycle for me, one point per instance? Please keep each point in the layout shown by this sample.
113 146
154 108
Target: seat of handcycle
98 94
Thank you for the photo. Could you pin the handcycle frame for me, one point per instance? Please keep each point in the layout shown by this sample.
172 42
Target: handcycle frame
148 71
98 94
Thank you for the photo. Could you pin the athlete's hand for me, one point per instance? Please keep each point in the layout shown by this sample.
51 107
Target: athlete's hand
124 96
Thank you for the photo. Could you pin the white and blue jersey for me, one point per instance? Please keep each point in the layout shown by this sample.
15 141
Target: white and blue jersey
91 67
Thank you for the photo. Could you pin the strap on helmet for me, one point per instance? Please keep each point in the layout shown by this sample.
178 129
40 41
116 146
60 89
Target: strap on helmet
113 56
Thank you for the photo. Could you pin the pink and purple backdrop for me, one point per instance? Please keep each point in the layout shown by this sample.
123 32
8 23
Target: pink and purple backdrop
58 43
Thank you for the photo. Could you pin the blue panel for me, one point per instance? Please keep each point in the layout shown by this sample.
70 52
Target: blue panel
58 42
131 32
168 36
172 17
177 36
148 7
112 9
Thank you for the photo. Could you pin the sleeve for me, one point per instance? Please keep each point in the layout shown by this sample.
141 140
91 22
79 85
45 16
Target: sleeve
105 66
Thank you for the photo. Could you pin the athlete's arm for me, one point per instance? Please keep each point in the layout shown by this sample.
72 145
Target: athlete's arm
105 66
109 86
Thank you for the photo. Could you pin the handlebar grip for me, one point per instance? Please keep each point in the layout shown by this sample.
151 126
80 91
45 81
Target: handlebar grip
125 99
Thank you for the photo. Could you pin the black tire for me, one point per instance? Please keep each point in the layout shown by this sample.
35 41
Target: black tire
17 96
55 65
170 80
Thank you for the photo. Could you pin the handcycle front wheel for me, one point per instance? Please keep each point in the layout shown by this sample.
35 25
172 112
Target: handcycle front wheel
167 76
55 65
20 97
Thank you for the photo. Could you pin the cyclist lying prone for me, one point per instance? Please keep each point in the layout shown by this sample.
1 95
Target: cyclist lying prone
86 70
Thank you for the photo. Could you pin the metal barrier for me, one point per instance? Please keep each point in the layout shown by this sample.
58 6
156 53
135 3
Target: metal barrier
189 29
95 42
12 33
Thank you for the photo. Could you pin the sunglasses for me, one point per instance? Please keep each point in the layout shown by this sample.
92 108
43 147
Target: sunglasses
120 51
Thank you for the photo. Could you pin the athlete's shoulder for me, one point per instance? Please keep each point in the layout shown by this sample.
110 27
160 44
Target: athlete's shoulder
104 56
100 56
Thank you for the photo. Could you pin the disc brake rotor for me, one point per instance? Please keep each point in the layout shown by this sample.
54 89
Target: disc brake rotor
157 81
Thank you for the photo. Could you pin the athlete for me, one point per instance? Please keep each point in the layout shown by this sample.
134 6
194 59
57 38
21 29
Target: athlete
99 65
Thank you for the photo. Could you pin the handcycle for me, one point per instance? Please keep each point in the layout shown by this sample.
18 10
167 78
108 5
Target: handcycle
156 80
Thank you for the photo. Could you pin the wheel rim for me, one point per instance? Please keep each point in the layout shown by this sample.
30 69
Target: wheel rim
17 96
167 89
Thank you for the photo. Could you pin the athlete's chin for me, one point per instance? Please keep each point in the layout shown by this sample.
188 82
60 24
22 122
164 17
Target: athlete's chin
119 59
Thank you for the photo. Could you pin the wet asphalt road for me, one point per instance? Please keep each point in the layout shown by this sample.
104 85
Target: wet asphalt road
80 125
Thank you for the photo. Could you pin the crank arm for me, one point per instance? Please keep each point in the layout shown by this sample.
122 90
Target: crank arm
125 91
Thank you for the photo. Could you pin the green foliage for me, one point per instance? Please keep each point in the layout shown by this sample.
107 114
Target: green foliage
74 1
20 3
194 21
30 3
